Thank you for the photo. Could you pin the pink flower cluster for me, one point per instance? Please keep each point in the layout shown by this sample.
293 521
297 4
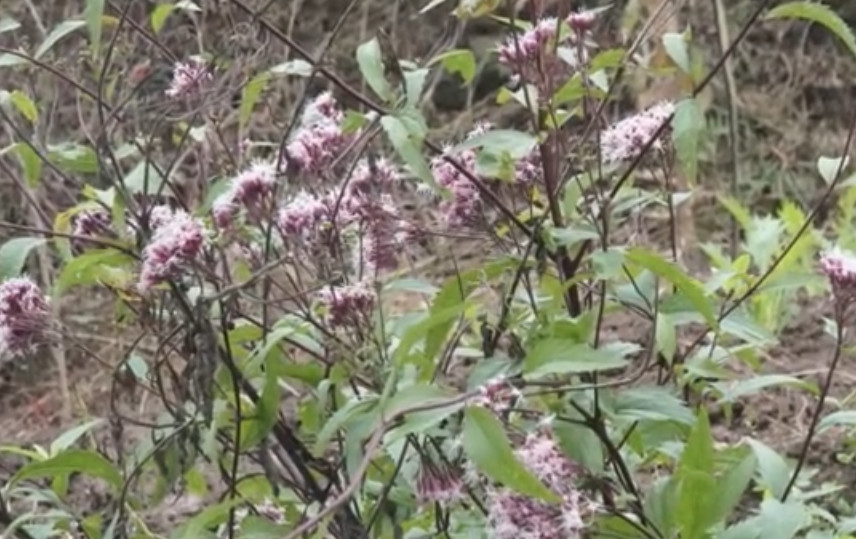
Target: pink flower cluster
840 267
464 205
532 55
438 483
497 395
319 139
303 217
348 306
188 79
625 140
177 241
24 316
251 189
514 516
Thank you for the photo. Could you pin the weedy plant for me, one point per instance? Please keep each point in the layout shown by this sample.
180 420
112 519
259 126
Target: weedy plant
262 282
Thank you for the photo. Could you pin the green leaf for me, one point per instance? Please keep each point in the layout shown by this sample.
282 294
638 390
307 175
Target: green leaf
782 520
23 104
408 148
353 410
695 472
74 157
70 437
14 253
30 162
95 266
828 167
211 516
580 443
661 505
370 60
458 61
250 96
687 127
836 419
819 13
266 412
775 472
564 356
690 288
159 15
7 24
414 85
144 178
730 488
733 390
94 12
60 31
298 67
69 462
652 403
676 47
487 445
498 141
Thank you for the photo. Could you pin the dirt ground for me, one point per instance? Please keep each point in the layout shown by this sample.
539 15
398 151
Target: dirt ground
807 71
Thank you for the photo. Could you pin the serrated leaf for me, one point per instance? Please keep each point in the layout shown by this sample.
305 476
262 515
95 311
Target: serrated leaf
563 356
733 390
14 253
60 31
94 13
69 462
651 403
486 444
498 141
688 287
408 149
370 60
782 520
458 61
819 13
687 127
774 471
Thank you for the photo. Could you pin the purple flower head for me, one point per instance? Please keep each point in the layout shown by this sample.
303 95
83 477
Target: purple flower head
497 395
438 482
624 141
512 515
840 267
349 305
301 218
464 206
319 140
582 21
250 189
89 223
175 244
24 316
188 79
533 59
